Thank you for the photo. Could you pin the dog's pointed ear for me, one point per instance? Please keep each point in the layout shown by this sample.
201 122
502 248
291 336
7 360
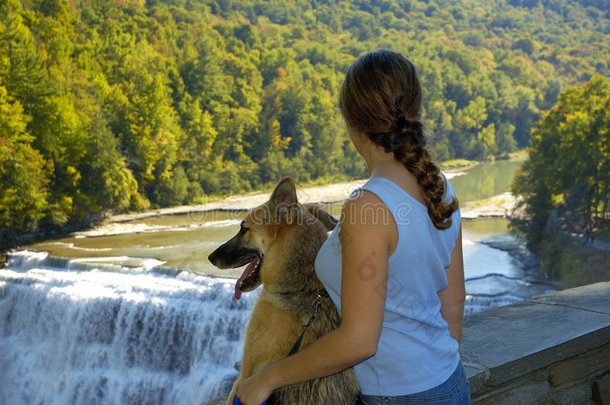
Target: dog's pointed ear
284 197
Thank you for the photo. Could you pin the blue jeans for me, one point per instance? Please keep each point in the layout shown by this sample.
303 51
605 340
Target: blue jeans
454 391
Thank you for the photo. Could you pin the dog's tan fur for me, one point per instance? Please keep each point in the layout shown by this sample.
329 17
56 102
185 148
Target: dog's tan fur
287 236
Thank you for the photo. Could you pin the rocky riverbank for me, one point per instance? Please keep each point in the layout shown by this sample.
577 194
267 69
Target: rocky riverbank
499 206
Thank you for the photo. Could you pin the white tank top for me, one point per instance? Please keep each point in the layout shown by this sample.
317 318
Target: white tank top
415 350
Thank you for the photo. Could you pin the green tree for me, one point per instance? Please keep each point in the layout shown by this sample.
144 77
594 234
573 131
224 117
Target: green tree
569 161
23 178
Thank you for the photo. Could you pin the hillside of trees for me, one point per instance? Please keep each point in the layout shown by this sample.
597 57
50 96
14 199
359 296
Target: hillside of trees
565 185
108 106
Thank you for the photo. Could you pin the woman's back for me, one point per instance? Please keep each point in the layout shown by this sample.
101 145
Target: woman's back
415 350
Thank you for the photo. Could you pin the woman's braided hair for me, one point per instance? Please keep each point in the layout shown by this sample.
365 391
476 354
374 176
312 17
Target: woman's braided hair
381 97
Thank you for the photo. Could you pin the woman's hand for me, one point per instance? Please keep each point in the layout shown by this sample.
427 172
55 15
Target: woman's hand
254 390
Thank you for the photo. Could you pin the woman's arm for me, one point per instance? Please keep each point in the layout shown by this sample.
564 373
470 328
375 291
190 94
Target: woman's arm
454 296
366 238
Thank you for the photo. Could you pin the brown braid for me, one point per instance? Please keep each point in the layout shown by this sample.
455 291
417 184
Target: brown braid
381 97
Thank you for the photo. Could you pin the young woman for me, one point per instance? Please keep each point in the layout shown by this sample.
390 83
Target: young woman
393 265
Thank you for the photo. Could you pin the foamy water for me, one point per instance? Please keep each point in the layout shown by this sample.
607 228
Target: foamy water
89 336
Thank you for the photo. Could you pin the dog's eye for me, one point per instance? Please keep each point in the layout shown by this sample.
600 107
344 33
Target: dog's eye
243 228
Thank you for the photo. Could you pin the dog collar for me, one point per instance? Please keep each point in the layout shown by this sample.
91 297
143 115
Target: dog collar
316 306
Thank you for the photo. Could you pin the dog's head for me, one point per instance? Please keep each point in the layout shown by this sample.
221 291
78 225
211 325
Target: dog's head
261 229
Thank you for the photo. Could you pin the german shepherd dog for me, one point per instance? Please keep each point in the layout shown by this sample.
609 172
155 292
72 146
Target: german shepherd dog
279 241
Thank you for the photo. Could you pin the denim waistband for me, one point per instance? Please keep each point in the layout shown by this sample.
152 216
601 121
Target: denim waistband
454 391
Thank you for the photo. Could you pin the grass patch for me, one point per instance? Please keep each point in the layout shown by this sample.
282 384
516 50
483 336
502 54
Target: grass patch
453 164
602 234
522 154
458 164
573 264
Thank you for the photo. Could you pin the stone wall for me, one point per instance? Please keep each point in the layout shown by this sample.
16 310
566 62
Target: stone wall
549 349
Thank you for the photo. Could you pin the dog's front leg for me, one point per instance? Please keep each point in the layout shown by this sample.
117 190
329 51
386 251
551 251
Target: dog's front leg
232 394
270 334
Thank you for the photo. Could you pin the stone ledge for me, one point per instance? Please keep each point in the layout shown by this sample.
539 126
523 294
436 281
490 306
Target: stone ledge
548 348
582 366
592 297
601 389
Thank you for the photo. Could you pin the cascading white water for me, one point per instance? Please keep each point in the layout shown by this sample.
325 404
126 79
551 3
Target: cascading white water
124 336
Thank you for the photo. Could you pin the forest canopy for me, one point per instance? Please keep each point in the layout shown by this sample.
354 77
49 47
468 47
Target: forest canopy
107 106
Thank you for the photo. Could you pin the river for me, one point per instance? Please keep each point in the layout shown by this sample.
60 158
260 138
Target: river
139 316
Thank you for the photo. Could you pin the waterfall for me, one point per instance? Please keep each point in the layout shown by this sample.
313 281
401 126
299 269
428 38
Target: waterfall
72 332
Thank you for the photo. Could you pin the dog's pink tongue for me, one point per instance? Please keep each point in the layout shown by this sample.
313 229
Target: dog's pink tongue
245 274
